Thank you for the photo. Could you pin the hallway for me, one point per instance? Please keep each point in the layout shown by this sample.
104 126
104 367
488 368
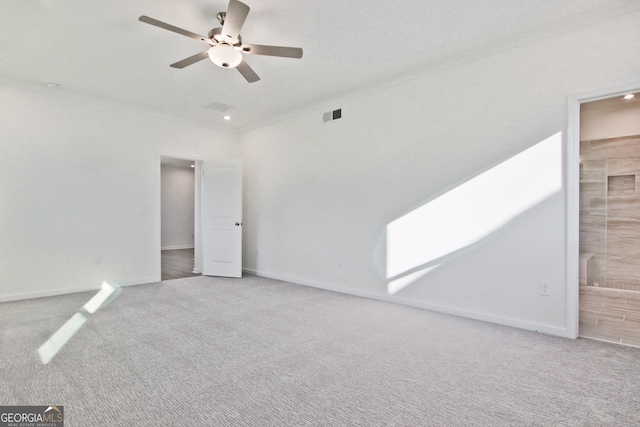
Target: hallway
177 264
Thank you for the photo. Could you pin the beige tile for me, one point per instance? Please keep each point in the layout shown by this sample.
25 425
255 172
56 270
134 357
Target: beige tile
610 315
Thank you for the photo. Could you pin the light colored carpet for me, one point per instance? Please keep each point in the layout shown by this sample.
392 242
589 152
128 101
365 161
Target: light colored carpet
257 352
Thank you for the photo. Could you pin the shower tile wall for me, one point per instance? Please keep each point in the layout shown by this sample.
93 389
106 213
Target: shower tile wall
610 211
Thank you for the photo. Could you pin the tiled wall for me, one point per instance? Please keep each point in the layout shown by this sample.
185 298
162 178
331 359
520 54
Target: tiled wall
610 211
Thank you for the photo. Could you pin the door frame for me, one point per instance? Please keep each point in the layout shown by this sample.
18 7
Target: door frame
572 164
197 245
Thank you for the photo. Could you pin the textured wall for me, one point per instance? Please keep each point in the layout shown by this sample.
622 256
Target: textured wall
319 196
80 189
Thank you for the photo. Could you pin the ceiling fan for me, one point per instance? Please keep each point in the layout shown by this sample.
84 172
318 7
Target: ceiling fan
225 43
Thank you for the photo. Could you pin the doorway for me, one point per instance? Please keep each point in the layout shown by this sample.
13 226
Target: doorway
178 218
609 219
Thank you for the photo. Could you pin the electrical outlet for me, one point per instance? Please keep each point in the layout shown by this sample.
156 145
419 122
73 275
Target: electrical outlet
545 288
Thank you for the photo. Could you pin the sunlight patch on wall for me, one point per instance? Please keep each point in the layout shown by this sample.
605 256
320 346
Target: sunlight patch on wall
397 285
471 211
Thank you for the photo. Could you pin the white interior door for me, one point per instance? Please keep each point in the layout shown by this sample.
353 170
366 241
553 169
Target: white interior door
222 218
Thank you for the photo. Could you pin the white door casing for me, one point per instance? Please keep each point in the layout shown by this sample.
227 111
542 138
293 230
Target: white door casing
222 218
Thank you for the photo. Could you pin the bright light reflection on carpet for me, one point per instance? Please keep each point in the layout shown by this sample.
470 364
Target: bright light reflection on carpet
100 298
53 345
471 211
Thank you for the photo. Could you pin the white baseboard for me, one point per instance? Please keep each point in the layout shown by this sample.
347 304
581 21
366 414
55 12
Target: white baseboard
170 248
530 326
75 290
47 293
140 281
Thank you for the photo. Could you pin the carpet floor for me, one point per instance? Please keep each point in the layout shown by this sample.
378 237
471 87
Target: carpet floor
205 351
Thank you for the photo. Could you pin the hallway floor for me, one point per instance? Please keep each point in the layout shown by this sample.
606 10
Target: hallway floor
177 264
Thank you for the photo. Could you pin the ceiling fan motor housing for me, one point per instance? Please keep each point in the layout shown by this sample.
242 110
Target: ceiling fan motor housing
216 36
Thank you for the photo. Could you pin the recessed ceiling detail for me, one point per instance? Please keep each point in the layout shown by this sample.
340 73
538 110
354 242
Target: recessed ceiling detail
101 50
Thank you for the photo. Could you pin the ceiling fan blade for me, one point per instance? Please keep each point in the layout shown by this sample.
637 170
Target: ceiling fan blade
236 14
286 52
191 60
247 72
164 25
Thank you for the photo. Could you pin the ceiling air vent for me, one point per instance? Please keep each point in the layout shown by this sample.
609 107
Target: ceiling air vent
332 115
218 106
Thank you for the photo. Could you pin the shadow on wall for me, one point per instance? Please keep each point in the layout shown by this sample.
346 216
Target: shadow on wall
460 219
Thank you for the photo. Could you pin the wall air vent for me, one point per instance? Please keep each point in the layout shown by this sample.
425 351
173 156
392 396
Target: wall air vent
332 115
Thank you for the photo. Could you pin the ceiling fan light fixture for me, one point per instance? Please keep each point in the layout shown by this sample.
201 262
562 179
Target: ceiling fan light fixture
225 43
225 55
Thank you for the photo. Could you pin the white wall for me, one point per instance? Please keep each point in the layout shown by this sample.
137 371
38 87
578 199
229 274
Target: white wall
80 189
606 119
318 196
177 206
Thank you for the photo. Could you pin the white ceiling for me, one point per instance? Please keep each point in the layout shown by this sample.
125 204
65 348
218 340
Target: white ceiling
99 48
